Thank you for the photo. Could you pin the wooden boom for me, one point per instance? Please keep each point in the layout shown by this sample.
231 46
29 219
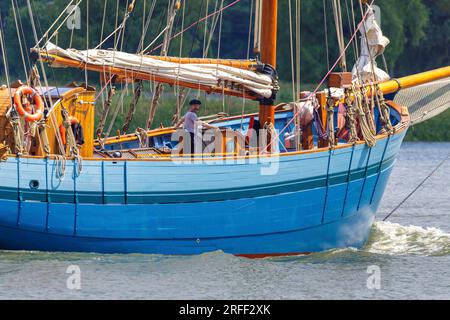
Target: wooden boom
136 75
235 63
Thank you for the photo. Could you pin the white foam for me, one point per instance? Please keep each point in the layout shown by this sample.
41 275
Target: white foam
395 239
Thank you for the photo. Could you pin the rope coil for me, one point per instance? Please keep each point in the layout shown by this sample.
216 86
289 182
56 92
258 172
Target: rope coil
60 167
364 119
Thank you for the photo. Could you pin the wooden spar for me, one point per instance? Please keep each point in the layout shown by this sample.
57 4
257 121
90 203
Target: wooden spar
395 85
414 80
240 64
135 75
235 63
268 53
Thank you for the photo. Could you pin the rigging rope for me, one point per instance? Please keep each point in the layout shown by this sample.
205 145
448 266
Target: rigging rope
146 27
50 99
173 8
206 45
196 27
22 34
351 118
292 50
119 28
206 25
372 59
354 27
384 111
87 44
79 167
138 89
180 93
330 122
103 21
325 21
339 32
297 40
219 43
213 30
4 56
355 52
57 19
257 33
71 34
43 137
118 107
248 57
57 29
193 24
12 113
106 105
328 73
364 118
132 109
183 92
417 188
70 137
60 167
20 40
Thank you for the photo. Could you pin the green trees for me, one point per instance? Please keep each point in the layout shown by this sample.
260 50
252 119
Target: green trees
419 31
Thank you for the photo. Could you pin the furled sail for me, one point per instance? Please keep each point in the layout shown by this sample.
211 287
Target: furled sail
373 44
212 75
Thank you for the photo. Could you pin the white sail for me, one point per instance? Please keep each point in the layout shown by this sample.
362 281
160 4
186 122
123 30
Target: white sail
373 44
199 74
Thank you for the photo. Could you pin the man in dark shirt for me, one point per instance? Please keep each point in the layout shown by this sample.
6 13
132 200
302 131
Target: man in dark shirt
192 123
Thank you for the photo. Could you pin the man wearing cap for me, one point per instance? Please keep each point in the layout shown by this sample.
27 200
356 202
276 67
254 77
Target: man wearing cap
191 122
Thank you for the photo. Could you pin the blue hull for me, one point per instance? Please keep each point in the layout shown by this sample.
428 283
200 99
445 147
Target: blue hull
316 201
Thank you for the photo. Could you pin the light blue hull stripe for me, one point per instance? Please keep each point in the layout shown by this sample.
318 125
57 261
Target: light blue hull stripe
298 210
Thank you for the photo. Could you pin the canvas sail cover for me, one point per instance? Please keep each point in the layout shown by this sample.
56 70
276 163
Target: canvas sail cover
200 74
425 101
373 44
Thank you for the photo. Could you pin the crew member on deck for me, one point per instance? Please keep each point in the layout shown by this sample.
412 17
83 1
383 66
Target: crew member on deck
192 123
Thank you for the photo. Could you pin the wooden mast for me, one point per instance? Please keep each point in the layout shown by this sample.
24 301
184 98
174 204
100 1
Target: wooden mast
268 53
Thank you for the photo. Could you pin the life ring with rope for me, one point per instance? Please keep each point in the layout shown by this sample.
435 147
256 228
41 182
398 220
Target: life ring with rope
22 98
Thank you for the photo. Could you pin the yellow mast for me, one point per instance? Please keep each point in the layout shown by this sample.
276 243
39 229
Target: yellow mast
268 53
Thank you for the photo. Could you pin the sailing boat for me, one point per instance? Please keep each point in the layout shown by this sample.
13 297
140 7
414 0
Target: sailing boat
258 192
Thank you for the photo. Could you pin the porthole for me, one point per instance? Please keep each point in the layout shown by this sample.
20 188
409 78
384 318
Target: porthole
34 184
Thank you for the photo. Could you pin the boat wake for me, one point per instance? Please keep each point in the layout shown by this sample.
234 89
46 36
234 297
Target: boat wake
395 239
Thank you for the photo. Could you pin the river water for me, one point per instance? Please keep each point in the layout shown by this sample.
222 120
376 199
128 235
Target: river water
407 257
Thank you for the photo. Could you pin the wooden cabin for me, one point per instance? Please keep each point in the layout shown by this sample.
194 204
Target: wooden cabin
79 102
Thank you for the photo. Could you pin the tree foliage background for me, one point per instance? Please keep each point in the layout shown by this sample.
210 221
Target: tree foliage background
419 31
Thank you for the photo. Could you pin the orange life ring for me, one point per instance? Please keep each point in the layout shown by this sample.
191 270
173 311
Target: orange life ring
26 111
